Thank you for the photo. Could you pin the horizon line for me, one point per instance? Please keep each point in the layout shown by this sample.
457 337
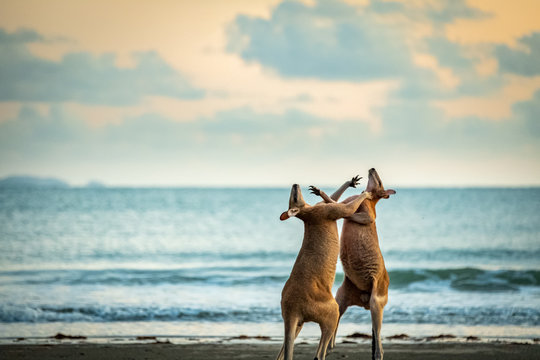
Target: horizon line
96 184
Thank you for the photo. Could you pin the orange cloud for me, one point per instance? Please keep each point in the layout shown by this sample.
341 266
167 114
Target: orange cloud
510 20
496 106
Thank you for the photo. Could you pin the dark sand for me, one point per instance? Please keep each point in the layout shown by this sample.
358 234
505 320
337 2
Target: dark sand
258 351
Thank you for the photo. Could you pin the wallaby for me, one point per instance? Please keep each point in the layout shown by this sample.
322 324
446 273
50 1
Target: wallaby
366 279
307 294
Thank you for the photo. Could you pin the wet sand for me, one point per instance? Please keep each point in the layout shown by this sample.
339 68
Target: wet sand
258 351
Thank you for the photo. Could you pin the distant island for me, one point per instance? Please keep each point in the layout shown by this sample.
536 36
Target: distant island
27 181
95 184
32 182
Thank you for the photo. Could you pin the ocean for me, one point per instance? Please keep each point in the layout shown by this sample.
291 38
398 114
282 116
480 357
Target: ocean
184 262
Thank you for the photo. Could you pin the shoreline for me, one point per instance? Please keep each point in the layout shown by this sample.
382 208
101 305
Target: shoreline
260 351
223 330
354 338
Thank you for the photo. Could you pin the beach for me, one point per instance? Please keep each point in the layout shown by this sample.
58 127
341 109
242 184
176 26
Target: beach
260 351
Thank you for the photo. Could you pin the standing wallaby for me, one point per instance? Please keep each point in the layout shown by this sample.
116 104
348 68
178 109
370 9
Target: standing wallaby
307 294
366 279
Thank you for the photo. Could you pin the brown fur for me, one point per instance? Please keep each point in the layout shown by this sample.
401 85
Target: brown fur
366 279
307 294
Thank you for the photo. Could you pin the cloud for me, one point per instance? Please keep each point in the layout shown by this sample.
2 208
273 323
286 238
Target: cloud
83 77
329 40
528 112
448 53
332 40
335 100
96 87
521 61
442 11
493 105
151 149
448 11
506 22
20 37
279 149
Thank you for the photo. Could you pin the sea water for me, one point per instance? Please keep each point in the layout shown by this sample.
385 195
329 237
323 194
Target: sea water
212 262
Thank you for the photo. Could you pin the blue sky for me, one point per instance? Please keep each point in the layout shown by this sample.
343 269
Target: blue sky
268 93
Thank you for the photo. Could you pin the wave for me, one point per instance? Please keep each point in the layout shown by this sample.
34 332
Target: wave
448 255
450 315
405 257
467 279
459 279
220 276
95 313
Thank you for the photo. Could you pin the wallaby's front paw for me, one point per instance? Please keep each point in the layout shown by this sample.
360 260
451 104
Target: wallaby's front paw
315 190
368 195
355 181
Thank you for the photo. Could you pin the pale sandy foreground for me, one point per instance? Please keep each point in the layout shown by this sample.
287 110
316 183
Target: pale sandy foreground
258 351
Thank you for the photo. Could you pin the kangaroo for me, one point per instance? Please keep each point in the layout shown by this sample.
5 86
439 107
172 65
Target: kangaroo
366 279
307 294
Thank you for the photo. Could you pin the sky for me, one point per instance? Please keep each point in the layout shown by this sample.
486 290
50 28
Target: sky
270 93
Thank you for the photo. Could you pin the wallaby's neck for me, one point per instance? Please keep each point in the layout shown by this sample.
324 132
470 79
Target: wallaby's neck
321 238
371 204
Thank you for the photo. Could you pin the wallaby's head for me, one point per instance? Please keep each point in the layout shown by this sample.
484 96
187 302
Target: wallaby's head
296 203
375 186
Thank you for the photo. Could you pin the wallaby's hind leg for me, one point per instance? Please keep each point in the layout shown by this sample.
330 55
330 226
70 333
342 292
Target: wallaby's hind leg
332 342
326 337
377 308
292 328
281 352
328 327
348 295
343 304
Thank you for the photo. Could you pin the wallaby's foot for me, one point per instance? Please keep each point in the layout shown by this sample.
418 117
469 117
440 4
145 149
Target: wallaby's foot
355 181
377 355
315 190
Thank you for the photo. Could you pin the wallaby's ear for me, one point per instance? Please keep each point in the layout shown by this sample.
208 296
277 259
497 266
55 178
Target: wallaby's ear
287 214
389 192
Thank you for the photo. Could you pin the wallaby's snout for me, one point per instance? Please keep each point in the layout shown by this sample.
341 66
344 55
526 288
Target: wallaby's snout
296 202
375 186
296 199
374 181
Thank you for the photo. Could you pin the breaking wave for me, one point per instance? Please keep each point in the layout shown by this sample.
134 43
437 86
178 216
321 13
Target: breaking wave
14 313
459 279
